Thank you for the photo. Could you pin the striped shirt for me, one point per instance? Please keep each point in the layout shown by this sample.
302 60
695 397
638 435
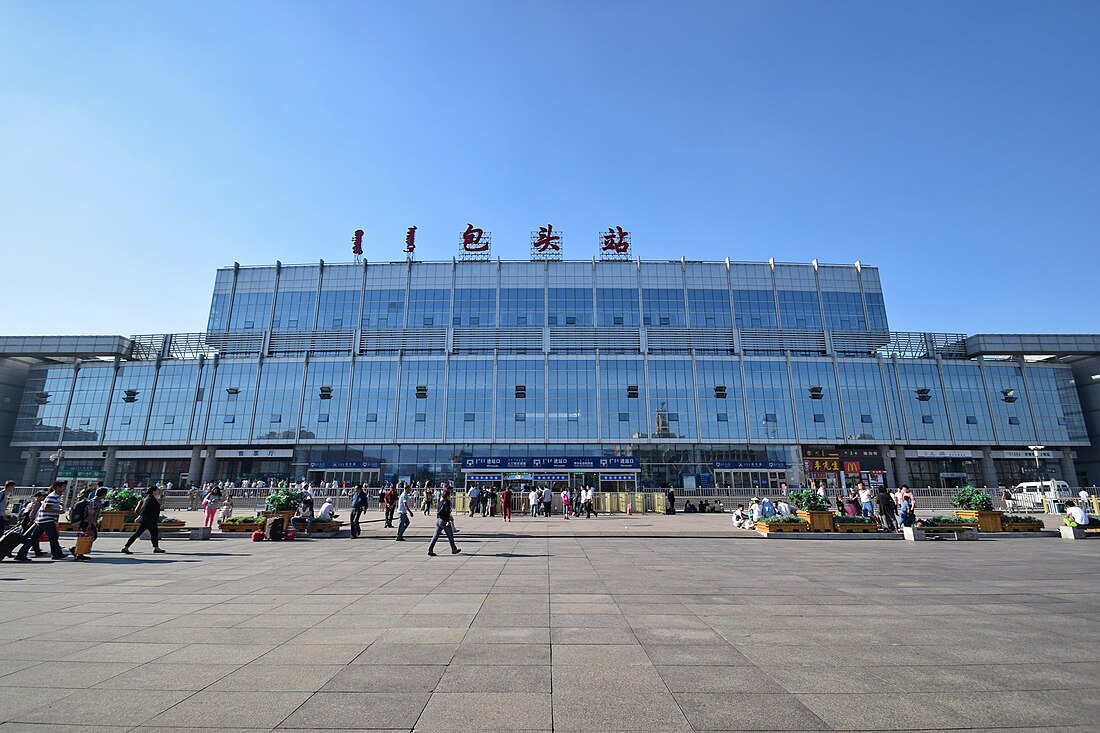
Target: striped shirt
49 510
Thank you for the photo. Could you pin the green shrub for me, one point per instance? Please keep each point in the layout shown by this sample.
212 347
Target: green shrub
244 520
283 500
168 520
123 500
808 500
972 499
937 520
845 519
780 519
1020 519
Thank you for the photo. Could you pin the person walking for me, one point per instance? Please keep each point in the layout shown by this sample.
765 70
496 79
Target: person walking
358 506
5 495
45 522
589 503
390 500
1008 499
444 524
404 511
210 503
670 501
148 512
887 510
90 525
566 508
506 504
867 507
548 500
26 519
533 501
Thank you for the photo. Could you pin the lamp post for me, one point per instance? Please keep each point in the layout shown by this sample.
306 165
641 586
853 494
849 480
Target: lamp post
56 459
1038 476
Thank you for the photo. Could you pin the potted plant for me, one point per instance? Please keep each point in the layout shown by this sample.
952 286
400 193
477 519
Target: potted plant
812 507
1021 523
779 523
284 502
242 524
971 503
121 503
849 525
167 522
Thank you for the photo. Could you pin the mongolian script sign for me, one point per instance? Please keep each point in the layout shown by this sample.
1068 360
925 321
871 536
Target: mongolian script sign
410 240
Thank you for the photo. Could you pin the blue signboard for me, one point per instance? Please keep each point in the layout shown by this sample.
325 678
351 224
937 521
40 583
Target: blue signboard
319 465
551 477
595 463
622 477
720 465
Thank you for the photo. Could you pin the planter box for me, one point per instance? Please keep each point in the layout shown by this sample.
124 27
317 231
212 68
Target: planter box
856 527
1021 527
784 527
818 521
987 521
112 521
240 527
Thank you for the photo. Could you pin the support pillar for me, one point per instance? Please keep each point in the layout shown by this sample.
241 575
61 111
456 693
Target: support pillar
888 466
1069 467
194 468
989 469
110 467
794 473
30 471
901 465
210 465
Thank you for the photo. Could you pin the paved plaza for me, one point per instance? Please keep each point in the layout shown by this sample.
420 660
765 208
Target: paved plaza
565 633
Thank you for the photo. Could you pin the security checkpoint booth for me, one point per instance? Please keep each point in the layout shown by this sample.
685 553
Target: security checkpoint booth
608 475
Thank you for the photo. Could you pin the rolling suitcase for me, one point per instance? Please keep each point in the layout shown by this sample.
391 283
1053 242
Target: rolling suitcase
11 540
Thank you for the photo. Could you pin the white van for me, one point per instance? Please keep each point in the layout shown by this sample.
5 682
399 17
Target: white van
1034 491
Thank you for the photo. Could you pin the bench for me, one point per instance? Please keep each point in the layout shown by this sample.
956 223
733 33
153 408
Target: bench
959 532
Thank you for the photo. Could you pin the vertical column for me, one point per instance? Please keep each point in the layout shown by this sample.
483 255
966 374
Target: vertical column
1069 467
194 468
901 465
210 465
299 463
888 465
989 469
110 467
30 471
794 473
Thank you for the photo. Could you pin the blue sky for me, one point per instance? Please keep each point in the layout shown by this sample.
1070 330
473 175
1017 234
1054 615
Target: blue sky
954 145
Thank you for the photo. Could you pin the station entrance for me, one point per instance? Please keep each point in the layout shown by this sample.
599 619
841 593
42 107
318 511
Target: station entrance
369 477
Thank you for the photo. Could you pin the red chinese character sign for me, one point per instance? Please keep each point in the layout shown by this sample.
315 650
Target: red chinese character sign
615 244
546 244
357 244
475 244
410 241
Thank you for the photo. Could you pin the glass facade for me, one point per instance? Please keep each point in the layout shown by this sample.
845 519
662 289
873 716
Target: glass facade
653 359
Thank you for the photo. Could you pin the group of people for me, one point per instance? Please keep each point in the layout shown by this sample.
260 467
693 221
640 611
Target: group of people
40 517
892 509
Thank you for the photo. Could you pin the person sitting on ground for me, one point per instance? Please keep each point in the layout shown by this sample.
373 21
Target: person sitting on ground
328 511
1075 516
741 519
783 508
850 507
689 508
767 509
755 510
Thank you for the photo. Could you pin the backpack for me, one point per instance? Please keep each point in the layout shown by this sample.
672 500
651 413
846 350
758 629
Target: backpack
79 512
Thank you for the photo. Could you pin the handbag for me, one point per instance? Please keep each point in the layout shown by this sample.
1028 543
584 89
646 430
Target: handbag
83 543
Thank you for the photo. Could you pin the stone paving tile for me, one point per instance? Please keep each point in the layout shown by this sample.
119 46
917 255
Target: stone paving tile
96 707
718 679
495 678
231 709
385 678
384 653
358 710
508 654
722 711
159 676
261 676
221 654
486 711
66 675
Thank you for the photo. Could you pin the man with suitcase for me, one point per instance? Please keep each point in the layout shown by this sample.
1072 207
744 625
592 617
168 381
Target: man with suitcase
45 521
